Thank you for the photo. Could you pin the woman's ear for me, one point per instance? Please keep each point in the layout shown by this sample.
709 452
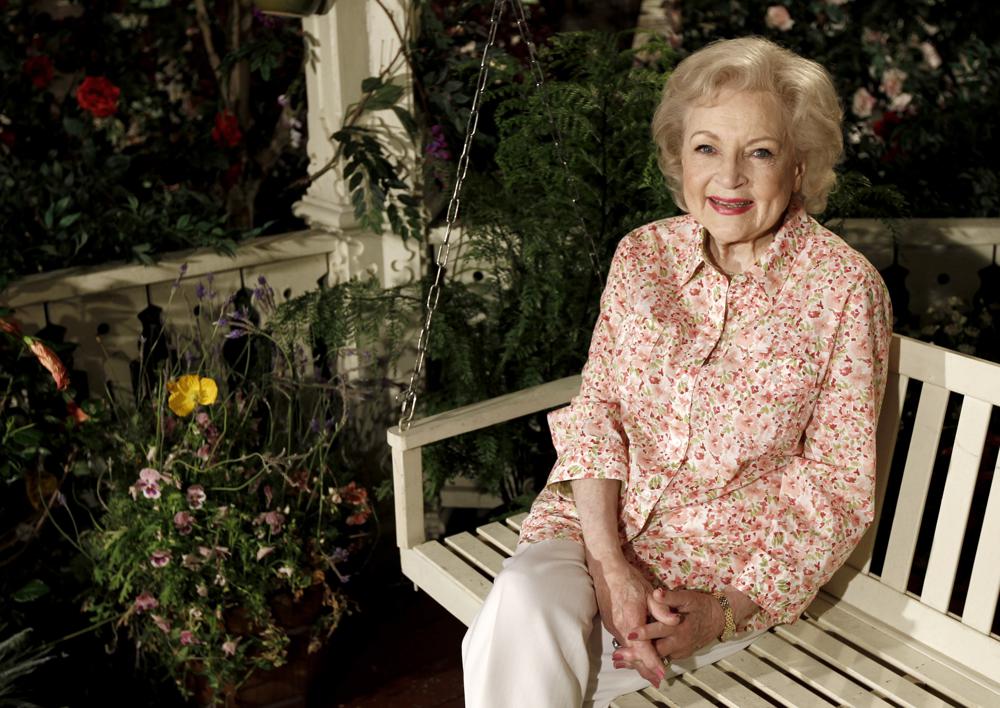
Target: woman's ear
800 169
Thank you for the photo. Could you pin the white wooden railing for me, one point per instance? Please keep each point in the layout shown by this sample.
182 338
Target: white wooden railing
99 306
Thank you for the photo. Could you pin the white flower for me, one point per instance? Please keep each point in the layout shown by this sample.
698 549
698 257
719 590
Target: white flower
931 56
900 102
778 18
892 82
862 103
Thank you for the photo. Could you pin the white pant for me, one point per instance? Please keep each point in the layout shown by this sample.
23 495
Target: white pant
538 641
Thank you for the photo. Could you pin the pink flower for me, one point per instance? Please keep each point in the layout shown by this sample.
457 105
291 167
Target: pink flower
145 602
204 452
184 522
196 496
160 558
892 82
264 551
274 519
149 475
202 419
187 638
161 622
778 18
229 647
353 494
862 103
357 519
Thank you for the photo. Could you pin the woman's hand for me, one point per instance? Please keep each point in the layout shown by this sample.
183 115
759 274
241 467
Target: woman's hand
622 599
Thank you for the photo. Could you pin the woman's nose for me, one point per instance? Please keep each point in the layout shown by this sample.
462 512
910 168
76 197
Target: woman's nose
730 174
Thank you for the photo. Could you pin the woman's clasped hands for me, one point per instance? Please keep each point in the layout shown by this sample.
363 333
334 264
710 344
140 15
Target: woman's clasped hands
673 624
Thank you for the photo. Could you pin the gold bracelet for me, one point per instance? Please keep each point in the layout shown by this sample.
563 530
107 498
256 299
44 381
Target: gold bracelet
729 628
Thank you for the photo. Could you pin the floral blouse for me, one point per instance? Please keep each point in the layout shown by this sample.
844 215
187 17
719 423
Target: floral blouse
739 412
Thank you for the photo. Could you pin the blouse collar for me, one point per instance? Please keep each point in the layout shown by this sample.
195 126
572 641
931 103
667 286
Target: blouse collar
773 267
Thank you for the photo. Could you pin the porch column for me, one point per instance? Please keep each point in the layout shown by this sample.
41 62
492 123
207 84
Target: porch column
354 40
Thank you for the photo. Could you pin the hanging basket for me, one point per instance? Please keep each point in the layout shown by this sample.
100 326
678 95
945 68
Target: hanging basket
294 8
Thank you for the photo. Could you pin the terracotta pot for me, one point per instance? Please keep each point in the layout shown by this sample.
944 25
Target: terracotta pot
294 8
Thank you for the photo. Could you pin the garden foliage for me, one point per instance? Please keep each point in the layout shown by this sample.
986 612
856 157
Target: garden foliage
134 128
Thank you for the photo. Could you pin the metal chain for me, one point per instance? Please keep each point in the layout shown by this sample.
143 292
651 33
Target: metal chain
409 402
409 397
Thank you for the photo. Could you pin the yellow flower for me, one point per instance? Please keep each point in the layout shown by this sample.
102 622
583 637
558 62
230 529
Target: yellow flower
189 391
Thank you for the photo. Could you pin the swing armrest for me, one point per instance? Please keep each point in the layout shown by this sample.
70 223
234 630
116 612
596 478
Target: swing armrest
407 470
484 414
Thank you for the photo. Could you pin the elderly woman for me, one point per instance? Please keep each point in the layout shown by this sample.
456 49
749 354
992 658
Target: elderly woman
718 464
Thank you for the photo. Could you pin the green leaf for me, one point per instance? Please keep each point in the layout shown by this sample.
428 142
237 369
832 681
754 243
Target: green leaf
372 83
69 220
384 98
406 119
73 126
31 591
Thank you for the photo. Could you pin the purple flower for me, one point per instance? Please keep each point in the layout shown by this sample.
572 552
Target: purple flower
196 496
159 559
437 148
236 334
200 291
150 490
314 426
145 602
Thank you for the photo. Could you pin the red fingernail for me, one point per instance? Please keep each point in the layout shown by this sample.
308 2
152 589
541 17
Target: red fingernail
633 635
616 657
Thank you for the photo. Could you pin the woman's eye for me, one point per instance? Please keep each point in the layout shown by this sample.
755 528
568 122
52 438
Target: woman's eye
705 149
762 153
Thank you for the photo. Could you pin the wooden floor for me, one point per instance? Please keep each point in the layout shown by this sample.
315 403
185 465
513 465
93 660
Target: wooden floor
405 654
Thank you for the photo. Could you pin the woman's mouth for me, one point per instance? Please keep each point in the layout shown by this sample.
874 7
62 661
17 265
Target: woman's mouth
730 207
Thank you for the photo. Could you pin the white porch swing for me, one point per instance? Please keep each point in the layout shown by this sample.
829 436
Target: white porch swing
866 640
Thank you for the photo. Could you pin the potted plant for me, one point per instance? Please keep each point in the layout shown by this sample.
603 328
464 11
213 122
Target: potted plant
227 505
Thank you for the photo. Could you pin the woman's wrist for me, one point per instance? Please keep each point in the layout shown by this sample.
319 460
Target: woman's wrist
743 607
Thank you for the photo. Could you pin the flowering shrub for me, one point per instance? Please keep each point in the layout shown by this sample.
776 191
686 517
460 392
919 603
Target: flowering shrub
225 498
150 128
917 81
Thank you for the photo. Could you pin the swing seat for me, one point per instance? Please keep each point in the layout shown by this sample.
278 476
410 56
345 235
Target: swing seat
874 636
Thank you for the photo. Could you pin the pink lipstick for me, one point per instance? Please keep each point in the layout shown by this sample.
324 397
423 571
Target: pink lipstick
730 207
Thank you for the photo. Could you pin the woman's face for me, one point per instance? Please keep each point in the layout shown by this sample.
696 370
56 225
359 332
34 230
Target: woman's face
738 166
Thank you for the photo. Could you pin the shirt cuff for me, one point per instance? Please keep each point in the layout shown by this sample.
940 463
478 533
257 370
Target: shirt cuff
775 587
590 445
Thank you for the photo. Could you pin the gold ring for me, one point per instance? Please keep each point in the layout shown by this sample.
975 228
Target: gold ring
666 662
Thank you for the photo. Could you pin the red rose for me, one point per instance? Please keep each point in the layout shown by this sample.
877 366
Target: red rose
98 96
39 70
227 131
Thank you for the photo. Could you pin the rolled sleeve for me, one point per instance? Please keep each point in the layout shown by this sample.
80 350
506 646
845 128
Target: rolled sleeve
826 500
587 434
